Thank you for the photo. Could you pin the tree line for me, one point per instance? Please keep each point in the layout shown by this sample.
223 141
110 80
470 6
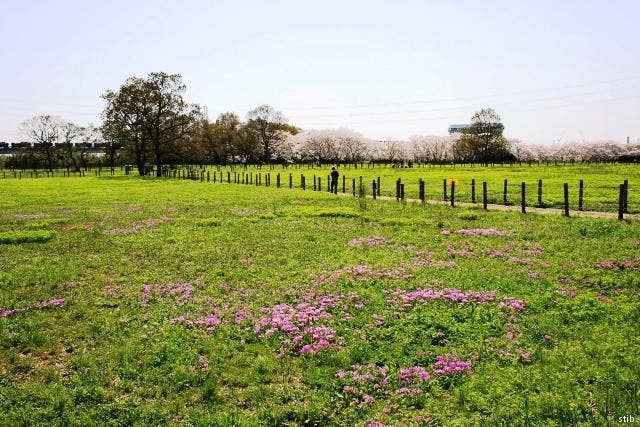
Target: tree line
147 121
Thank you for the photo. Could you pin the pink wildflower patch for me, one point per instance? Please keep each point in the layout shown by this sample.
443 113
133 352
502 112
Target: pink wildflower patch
407 391
520 261
241 316
513 304
534 249
460 252
56 302
407 298
625 263
482 232
414 373
136 227
495 252
534 275
180 292
422 259
209 321
369 241
450 365
297 327
364 382
446 264
360 272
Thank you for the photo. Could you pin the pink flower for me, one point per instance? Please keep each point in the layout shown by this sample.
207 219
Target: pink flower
482 232
204 363
368 241
417 372
209 320
512 304
450 364
241 316
55 302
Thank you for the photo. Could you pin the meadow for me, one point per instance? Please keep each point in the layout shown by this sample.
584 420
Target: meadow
600 181
141 301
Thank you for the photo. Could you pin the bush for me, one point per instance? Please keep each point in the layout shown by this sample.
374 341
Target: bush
209 222
15 237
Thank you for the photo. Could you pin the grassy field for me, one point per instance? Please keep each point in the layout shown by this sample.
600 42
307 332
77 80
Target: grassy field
601 181
129 301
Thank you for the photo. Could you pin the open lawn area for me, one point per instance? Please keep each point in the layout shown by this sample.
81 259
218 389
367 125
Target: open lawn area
131 301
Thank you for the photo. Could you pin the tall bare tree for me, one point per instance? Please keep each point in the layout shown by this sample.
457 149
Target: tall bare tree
270 127
43 132
70 133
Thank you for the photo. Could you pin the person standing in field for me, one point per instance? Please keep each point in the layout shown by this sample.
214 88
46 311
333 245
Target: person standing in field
334 180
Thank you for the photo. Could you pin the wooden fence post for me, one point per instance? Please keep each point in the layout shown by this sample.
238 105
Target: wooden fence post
344 184
444 189
484 195
303 182
505 193
453 193
398 189
523 202
473 190
278 180
290 181
373 188
621 202
566 199
626 195
402 191
378 186
580 194
353 186
421 190
540 193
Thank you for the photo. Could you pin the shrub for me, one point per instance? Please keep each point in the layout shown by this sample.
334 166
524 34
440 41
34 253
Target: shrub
209 222
16 237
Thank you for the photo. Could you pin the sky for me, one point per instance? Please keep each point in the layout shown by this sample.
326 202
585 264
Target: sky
555 71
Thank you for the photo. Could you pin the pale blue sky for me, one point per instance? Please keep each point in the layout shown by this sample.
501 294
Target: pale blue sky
554 70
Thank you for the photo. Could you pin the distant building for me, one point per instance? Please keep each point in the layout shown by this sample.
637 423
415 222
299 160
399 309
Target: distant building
457 128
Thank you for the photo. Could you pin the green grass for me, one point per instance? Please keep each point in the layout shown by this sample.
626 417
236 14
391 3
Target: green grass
136 260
